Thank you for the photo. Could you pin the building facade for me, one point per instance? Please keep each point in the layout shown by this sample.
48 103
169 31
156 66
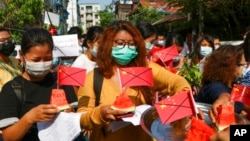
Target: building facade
89 15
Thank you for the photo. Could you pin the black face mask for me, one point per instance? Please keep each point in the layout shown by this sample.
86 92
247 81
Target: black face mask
7 48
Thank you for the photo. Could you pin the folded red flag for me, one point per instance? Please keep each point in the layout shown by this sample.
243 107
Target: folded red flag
71 76
136 76
176 107
240 93
166 54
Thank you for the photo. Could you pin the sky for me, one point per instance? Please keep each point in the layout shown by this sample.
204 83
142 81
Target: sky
101 2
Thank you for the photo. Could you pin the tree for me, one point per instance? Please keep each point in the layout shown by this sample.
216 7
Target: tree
147 14
106 16
20 14
226 18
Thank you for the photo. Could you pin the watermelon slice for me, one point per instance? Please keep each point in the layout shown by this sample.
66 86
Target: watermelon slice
225 116
199 131
123 103
59 99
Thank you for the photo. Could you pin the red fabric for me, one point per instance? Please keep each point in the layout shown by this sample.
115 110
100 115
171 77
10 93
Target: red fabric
136 76
199 131
173 70
176 107
166 54
155 49
71 76
225 115
58 97
123 101
240 93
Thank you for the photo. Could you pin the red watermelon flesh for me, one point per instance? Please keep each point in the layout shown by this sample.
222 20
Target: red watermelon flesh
225 116
59 99
123 103
199 131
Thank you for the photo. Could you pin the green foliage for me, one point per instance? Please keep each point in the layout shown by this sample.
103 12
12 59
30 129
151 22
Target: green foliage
20 14
106 16
147 14
191 72
230 17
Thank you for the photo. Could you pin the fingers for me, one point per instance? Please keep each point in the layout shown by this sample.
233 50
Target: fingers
200 114
213 113
109 114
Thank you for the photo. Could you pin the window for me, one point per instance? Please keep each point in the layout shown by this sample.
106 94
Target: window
96 16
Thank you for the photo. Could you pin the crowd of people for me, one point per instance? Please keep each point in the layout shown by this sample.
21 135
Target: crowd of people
104 50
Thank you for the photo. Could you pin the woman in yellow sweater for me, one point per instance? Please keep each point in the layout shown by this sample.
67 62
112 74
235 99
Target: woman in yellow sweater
121 45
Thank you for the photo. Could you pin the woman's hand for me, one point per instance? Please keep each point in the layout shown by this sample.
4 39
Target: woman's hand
44 112
222 135
222 99
109 114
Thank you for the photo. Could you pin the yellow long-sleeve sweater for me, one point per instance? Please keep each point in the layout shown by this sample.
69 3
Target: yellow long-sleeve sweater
164 82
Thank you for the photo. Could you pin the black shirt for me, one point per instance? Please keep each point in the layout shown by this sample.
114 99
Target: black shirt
35 93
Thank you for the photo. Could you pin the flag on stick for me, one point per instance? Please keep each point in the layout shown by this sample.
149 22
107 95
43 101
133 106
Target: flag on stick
176 107
71 76
166 54
136 76
240 93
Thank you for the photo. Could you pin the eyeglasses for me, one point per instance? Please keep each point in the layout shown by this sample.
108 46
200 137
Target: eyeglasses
5 39
242 65
121 44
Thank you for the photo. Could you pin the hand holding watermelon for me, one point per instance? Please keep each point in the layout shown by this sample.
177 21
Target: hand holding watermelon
122 107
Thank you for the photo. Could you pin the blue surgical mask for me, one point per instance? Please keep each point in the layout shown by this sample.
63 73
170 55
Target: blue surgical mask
149 46
124 54
93 51
205 50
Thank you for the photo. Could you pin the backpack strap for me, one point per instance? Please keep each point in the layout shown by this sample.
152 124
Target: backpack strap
18 90
98 79
19 94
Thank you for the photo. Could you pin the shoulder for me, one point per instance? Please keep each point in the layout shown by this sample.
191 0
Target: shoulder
14 60
216 86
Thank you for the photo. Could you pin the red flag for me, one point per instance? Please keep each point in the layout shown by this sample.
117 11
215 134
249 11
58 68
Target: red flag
166 54
176 107
136 76
71 76
240 93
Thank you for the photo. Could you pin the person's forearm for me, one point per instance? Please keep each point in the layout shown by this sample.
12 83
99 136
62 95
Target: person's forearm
17 131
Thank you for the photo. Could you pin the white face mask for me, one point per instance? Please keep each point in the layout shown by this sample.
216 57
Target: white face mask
38 69
94 51
161 42
216 46
205 50
149 46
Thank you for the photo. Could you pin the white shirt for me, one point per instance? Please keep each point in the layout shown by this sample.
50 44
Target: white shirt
82 61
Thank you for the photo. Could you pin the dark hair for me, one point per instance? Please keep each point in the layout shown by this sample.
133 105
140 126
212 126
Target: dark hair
35 36
220 65
4 29
146 29
92 35
246 46
174 38
196 56
76 30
